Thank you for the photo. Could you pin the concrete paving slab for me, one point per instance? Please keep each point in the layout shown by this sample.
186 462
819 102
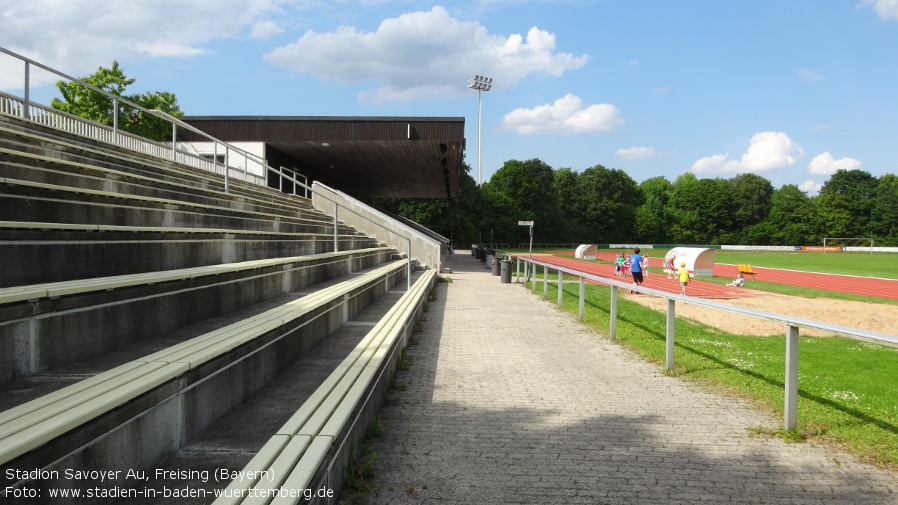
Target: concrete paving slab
512 401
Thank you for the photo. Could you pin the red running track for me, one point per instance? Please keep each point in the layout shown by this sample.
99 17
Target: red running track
867 286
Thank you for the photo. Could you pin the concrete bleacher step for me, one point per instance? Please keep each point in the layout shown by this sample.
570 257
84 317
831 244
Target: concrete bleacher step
37 139
201 378
64 253
290 427
77 202
105 314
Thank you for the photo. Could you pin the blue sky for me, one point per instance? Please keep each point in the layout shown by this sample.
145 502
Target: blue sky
789 89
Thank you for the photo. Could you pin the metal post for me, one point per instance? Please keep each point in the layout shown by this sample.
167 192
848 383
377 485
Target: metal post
671 325
582 297
337 210
26 104
545 283
517 265
613 330
790 406
115 122
479 137
174 141
560 290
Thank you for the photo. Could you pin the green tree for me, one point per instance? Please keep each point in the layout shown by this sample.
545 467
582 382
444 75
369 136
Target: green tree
89 104
524 190
608 202
884 225
566 184
701 210
751 195
653 217
845 204
791 216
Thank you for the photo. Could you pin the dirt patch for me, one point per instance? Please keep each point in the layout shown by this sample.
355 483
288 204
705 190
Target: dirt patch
868 316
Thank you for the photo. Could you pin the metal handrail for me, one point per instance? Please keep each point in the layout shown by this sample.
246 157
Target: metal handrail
792 323
27 105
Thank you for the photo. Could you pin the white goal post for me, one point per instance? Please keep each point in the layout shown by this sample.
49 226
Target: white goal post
848 244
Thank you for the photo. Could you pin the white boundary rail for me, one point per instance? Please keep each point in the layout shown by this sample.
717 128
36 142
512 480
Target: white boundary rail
791 323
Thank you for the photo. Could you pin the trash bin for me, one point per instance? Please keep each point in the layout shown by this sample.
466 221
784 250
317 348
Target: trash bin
506 271
490 256
473 250
496 262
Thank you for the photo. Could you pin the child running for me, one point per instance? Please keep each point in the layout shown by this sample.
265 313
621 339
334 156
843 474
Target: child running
684 278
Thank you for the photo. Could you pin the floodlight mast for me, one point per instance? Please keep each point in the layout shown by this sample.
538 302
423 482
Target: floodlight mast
481 84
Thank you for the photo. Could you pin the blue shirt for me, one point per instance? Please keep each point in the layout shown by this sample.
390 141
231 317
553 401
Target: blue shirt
636 263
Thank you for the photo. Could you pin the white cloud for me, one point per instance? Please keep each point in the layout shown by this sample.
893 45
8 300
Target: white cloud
714 163
767 151
638 152
819 127
662 89
567 115
77 36
423 54
885 8
825 164
810 187
808 75
264 30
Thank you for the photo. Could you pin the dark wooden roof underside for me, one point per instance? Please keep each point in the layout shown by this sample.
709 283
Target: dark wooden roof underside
367 157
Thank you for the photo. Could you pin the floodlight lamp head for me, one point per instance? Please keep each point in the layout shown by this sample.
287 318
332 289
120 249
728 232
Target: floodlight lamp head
480 83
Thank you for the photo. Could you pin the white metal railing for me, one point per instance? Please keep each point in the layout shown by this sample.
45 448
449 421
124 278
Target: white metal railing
377 224
24 108
362 217
791 323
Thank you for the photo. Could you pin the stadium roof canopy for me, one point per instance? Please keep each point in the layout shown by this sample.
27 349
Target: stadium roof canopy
367 157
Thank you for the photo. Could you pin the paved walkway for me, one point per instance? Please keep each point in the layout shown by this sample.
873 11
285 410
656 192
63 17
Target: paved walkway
511 401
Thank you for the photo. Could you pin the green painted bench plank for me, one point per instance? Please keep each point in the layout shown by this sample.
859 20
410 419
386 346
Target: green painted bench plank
261 462
61 288
305 469
280 469
305 411
80 410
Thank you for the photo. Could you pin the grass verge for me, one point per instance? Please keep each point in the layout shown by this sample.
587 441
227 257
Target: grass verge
846 387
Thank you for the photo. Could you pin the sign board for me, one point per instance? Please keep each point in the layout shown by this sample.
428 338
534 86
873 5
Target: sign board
525 223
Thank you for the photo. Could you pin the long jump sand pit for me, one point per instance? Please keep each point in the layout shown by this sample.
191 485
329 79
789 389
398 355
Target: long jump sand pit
868 316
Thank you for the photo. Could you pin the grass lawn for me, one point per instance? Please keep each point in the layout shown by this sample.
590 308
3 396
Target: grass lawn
846 387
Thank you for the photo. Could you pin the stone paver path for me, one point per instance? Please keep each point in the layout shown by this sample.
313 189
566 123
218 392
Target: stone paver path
512 401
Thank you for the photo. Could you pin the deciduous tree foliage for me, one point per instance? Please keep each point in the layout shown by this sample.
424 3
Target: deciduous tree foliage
602 205
89 104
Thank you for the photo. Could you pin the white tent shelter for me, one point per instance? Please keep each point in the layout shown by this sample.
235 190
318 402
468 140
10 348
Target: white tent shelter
699 261
585 251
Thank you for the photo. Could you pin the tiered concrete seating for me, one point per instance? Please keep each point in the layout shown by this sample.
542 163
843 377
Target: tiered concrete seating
140 302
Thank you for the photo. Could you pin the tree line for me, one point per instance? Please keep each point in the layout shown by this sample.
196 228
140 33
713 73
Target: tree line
596 205
605 205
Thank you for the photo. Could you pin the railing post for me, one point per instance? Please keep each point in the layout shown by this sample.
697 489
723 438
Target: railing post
336 211
613 330
545 283
582 297
174 141
790 406
560 291
517 266
408 275
26 104
671 325
115 121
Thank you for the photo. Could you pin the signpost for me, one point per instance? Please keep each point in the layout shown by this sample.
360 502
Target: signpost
530 224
